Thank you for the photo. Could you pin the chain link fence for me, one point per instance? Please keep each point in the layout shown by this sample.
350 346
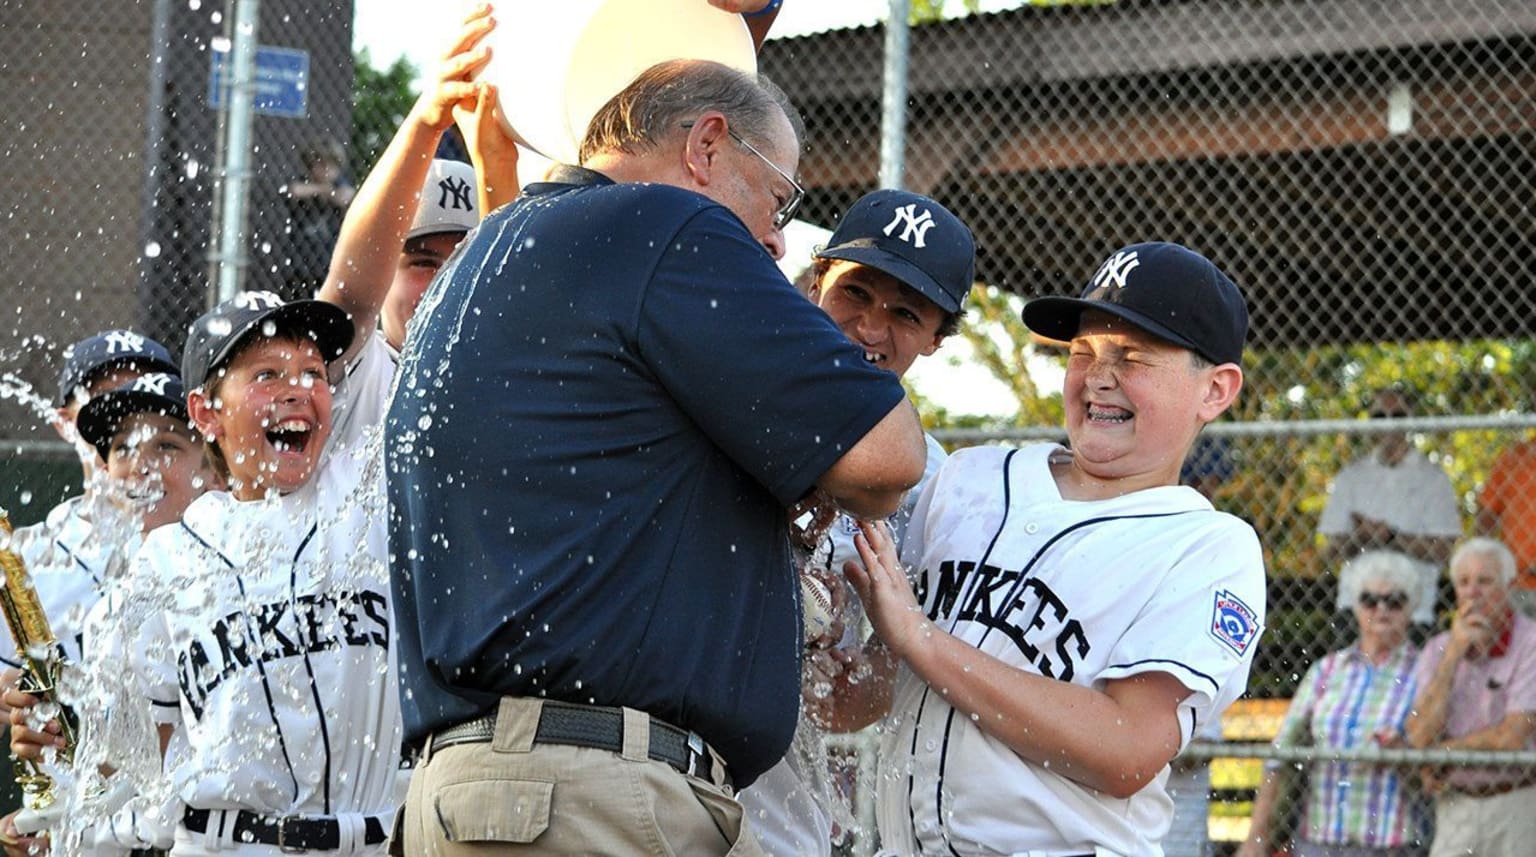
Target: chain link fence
1364 169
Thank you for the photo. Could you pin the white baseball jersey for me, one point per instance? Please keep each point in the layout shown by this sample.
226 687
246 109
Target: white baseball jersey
272 648
1083 592
785 806
70 556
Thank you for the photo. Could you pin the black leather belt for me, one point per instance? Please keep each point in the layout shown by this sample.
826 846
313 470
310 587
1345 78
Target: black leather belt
598 728
291 833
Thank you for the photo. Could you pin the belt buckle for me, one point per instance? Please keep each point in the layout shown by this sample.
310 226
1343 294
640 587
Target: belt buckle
282 837
696 751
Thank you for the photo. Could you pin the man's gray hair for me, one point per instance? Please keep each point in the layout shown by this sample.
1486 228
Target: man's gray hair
1484 546
668 94
1381 566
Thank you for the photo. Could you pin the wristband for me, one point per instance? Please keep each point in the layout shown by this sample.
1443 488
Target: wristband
773 6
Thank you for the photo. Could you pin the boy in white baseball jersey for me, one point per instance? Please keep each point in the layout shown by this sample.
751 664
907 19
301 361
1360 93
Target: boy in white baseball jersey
68 554
71 552
267 641
273 650
897 293
1078 615
155 467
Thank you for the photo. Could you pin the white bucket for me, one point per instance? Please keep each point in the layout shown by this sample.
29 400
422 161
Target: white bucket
555 63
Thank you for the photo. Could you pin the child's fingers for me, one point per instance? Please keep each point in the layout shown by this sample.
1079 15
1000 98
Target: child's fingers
474 29
480 10
460 67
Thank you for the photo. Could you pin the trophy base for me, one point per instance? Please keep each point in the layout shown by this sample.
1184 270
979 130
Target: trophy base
33 821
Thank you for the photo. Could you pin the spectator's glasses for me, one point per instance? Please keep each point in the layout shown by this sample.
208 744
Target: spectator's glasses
1388 415
1390 600
787 209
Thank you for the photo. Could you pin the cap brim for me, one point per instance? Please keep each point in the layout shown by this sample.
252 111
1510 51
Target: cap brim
326 324
437 229
1059 318
103 415
904 271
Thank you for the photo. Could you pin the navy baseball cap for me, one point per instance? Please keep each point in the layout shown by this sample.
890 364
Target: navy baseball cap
156 392
912 238
1168 290
108 349
214 336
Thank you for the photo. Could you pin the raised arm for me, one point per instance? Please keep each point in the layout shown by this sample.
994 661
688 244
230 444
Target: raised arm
373 233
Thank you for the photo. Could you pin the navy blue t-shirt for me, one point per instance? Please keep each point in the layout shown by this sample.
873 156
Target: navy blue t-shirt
609 398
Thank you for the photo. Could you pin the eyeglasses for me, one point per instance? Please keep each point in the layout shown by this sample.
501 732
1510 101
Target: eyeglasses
1391 600
1388 415
786 211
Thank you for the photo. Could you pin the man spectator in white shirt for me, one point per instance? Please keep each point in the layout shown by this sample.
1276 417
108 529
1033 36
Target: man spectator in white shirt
1392 499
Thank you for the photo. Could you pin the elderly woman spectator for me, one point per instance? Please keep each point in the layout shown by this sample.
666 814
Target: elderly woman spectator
1355 697
1477 691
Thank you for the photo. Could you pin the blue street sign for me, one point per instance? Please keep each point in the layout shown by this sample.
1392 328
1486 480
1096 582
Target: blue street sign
282 81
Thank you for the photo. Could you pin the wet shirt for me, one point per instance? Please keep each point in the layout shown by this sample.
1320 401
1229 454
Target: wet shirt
70 556
269 638
608 399
1077 591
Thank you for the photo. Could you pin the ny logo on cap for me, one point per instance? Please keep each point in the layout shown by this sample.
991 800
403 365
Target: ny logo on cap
153 383
121 341
258 300
458 189
916 225
1116 269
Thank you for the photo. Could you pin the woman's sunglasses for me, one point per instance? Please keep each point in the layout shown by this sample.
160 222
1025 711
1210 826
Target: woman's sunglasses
1391 600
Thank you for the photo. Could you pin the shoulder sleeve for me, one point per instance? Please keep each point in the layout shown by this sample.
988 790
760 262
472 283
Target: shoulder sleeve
362 394
1203 622
1522 685
1429 660
147 638
1436 513
761 370
1341 501
901 521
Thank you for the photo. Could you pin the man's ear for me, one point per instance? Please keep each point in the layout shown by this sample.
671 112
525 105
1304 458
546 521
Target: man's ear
937 341
203 413
1224 383
707 138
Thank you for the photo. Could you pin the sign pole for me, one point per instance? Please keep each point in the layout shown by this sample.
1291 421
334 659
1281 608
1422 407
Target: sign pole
231 257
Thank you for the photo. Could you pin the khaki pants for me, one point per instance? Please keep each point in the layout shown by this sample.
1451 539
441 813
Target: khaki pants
1497 826
510 796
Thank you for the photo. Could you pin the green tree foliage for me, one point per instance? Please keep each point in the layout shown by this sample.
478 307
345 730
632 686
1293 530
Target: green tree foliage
380 100
925 11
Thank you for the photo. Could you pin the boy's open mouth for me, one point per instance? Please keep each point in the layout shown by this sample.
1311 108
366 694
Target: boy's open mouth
290 435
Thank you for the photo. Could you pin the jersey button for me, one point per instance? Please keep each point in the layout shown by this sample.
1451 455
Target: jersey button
931 745
1031 528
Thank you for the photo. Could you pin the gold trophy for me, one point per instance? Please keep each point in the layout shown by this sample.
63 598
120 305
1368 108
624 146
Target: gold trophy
42 660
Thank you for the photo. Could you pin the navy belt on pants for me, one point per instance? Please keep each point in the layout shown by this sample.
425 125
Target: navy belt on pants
599 728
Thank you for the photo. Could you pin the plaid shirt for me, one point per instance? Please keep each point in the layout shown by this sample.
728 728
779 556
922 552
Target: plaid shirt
1343 702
